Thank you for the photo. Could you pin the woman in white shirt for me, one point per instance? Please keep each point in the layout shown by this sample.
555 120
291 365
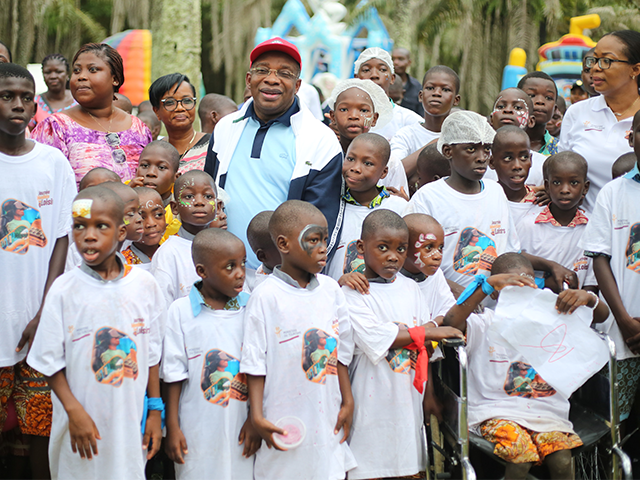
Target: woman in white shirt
598 128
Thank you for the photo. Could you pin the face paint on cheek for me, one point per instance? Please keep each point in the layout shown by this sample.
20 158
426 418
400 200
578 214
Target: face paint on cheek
368 121
126 220
495 110
418 262
82 208
424 238
523 116
305 236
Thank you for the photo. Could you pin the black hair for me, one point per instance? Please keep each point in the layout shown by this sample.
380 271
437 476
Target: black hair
636 119
536 74
8 51
192 175
109 55
380 143
151 117
163 84
13 70
631 40
209 243
623 164
525 97
113 176
291 215
149 191
56 57
420 222
509 262
104 194
431 159
258 234
382 219
215 101
561 104
503 132
446 70
174 155
565 157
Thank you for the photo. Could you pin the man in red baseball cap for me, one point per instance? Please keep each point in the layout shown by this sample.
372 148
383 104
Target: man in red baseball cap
276 44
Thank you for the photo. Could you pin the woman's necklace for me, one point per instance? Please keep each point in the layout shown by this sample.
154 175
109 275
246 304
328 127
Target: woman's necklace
108 130
189 146
630 107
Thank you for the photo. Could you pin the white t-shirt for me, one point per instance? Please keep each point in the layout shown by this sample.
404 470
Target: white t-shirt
437 294
396 176
591 129
82 318
521 211
173 267
410 139
386 436
282 325
346 258
213 402
501 384
614 229
484 216
557 243
43 184
74 259
401 118
253 278
535 177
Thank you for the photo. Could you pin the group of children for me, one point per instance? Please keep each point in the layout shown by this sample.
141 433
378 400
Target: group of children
286 372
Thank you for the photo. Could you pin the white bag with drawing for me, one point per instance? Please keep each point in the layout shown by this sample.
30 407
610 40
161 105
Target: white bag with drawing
561 348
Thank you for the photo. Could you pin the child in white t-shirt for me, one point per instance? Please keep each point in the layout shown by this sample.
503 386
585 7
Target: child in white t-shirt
474 214
132 218
37 187
262 245
154 224
612 239
430 166
206 393
553 232
99 344
392 316
365 163
526 427
297 346
196 203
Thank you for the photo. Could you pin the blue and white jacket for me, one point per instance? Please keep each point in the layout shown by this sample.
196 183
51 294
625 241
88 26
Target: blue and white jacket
317 175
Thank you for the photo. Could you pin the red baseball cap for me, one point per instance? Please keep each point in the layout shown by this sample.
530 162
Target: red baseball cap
276 44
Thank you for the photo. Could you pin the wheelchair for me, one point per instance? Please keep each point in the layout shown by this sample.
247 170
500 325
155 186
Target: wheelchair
452 450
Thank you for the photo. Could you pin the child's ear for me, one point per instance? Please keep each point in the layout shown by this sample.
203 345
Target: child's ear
201 271
360 247
585 190
282 243
631 138
384 172
546 184
532 121
436 177
174 208
420 96
261 256
375 119
446 151
332 116
122 233
176 177
456 101
493 167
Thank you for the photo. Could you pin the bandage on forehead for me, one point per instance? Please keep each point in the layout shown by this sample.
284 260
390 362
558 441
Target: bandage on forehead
373 52
465 127
381 103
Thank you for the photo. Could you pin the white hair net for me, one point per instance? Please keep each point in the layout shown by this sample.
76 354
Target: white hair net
373 52
381 103
465 127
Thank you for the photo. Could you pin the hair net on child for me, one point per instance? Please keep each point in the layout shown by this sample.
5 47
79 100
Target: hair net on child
381 103
373 52
465 127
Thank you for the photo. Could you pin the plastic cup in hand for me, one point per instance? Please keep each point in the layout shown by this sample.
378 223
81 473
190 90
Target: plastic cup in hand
296 431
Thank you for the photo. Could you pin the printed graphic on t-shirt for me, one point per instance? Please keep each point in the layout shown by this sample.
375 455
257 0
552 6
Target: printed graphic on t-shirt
633 248
221 378
523 381
319 355
475 253
115 357
353 261
20 226
402 360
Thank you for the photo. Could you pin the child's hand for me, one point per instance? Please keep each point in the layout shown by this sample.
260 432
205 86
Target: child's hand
136 182
399 193
431 406
175 445
250 437
153 433
29 332
83 433
542 197
266 429
440 333
510 280
569 300
356 281
561 276
345 419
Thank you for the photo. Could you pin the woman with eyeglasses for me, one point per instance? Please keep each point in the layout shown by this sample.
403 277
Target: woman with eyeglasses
95 133
598 128
174 101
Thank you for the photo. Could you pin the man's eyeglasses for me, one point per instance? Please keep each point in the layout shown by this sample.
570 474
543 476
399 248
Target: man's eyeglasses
603 62
170 104
262 72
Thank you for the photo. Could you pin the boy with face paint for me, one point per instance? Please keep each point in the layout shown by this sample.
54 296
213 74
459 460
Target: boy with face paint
196 204
99 345
365 164
288 372
390 323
